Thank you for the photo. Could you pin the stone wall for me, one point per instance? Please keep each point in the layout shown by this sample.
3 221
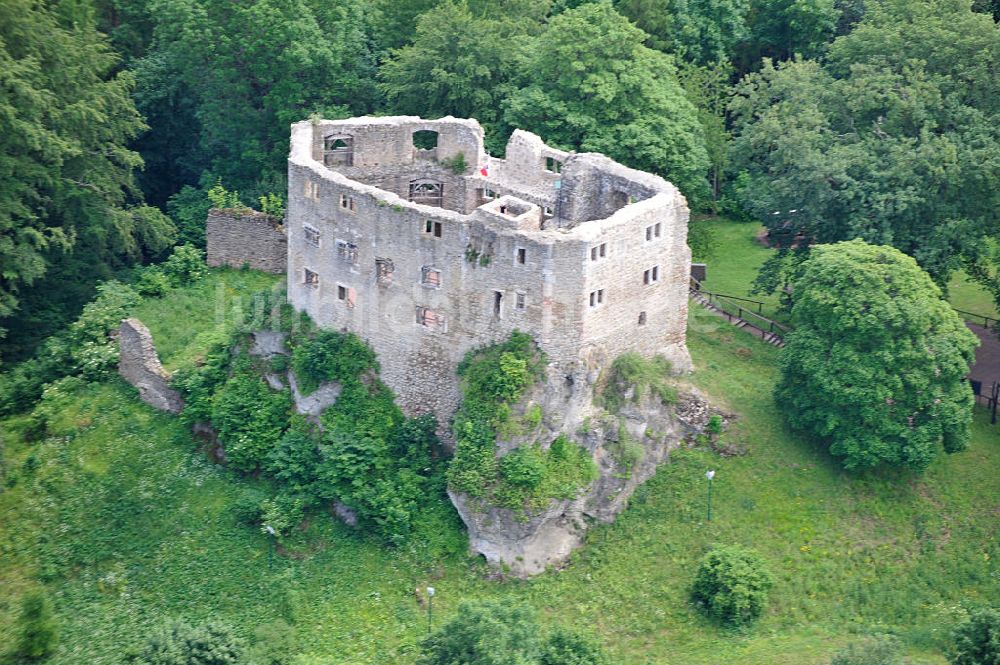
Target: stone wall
236 238
524 261
139 364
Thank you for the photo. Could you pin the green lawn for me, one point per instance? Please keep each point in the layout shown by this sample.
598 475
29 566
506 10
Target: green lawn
125 522
739 255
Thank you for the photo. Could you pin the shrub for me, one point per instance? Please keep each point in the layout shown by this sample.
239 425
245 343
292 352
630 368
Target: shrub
487 632
185 265
274 644
36 626
331 356
731 585
564 647
272 204
221 198
93 353
152 283
873 650
632 372
524 467
181 643
876 365
250 419
976 641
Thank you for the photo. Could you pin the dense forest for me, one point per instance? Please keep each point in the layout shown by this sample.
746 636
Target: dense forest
825 119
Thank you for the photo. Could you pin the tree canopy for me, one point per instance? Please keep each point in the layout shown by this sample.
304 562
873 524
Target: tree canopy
876 365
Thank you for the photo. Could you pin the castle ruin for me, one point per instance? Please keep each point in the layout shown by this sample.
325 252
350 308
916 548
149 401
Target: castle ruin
405 232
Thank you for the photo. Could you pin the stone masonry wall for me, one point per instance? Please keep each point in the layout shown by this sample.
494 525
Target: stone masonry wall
499 266
236 238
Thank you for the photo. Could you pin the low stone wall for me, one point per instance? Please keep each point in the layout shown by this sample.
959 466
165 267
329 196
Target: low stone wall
139 364
246 237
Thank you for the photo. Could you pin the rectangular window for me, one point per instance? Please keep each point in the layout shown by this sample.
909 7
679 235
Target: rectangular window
519 301
347 203
489 194
651 276
312 190
311 235
341 292
547 212
347 251
599 251
384 269
522 255
642 318
649 233
430 319
497 303
432 228
553 165
310 278
596 297
430 277
346 295
656 230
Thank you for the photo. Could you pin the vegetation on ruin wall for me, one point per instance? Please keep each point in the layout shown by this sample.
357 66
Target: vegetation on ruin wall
493 379
366 455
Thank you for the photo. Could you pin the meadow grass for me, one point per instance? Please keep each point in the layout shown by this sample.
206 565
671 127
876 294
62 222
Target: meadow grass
125 521
739 255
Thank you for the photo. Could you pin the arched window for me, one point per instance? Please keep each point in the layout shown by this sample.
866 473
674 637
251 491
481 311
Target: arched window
338 149
428 192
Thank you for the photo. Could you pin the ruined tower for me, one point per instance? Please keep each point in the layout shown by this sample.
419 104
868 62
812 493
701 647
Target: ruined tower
406 232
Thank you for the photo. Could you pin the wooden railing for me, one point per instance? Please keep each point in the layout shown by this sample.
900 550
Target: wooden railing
988 321
741 308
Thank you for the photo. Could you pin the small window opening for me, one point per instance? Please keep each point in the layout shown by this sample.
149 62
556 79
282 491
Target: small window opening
338 150
312 190
649 233
651 276
347 203
384 269
347 251
599 251
311 235
656 230
553 165
425 139
432 228
642 318
431 319
596 297
310 278
497 303
522 255
341 292
430 277
547 212
519 301
427 192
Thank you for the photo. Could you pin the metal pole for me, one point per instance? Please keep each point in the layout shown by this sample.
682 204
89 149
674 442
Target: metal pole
710 475
430 609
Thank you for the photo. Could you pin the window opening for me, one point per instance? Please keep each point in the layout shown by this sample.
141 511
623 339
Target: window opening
599 251
519 301
553 165
311 235
338 150
341 292
497 303
312 190
430 277
347 203
310 278
431 319
522 255
652 275
596 297
642 318
427 192
656 229
347 251
425 139
384 269
432 228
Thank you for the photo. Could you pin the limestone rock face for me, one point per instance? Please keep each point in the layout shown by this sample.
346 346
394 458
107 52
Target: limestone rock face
627 449
139 365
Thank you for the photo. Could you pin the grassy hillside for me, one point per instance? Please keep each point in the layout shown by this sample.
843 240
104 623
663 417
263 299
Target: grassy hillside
739 255
125 521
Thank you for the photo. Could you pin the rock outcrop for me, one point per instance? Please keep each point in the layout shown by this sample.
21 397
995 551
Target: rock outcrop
139 364
627 448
